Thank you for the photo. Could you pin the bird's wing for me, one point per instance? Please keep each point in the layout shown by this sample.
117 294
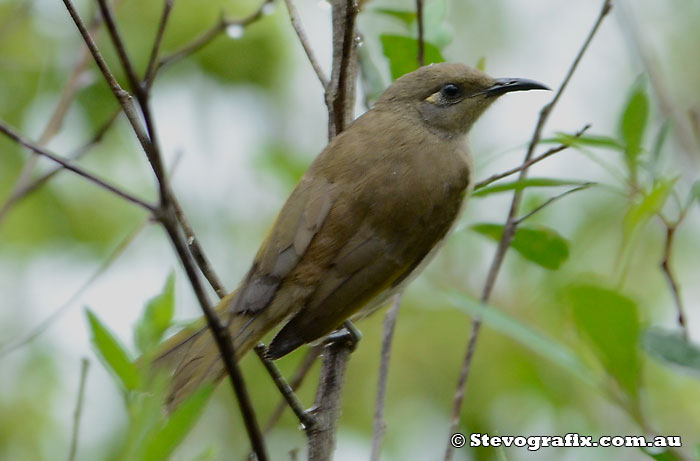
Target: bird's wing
296 225
365 266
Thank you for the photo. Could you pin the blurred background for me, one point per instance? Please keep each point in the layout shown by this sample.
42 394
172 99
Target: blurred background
240 120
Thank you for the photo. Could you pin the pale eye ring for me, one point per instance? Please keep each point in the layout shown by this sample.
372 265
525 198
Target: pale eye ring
450 91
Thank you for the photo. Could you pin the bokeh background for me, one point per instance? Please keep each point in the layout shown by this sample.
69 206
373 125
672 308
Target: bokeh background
239 122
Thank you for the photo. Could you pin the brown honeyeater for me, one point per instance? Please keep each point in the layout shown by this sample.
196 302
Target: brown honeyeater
366 217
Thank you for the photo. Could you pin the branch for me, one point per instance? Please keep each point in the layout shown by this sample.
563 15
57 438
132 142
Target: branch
52 127
668 273
421 39
529 163
149 75
167 215
340 96
206 37
340 101
299 29
551 200
321 436
68 165
51 318
387 336
84 367
294 383
509 230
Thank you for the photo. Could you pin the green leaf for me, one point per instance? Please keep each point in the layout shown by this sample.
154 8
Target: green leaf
610 322
538 244
651 203
402 53
407 17
664 455
524 183
633 124
481 64
156 317
672 347
661 139
551 350
163 442
585 140
112 353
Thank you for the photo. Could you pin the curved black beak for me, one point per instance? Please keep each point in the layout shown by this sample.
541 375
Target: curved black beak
506 85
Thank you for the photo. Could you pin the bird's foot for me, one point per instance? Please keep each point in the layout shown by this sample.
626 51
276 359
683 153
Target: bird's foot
348 335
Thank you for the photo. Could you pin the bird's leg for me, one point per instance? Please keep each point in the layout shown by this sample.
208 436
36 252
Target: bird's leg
348 334
306 418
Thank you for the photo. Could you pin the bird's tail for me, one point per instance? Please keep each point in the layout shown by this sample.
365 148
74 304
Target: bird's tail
192 355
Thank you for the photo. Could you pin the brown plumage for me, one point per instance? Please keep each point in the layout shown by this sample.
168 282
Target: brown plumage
365 218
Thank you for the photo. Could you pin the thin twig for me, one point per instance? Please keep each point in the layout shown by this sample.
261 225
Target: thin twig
294 383
167 216
299 29
123 97
306 419
421 39
668 272
198 253
509 231
149 75
26 189
551 200
10 133
207 36
387 336
52 127
84 367
51 318
529 163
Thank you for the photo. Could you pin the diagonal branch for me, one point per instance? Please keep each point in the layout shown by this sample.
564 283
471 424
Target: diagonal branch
298 28
509 229
68 165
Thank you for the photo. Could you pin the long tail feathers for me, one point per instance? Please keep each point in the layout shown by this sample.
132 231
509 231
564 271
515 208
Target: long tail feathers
193 356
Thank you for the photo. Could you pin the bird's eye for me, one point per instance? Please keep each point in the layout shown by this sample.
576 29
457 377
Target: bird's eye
450 91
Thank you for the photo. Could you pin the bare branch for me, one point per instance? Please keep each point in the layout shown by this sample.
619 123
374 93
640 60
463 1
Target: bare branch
51 318
206 37
84 367
509 230
152 60
387 336
306 419
74 168
551 200
668 273
528 163
340 96
321 436
55 122
167 215
299 29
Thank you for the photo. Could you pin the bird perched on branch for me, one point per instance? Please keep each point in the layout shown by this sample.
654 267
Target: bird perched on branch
367 216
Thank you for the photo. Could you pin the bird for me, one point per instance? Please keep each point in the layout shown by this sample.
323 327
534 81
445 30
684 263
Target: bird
366 217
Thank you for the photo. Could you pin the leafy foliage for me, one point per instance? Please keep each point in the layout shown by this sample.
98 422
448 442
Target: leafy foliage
541 245
610 323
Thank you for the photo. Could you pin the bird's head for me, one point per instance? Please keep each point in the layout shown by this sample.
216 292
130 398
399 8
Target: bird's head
449 97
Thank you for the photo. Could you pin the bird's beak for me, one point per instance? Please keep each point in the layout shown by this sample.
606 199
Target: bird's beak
506 85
